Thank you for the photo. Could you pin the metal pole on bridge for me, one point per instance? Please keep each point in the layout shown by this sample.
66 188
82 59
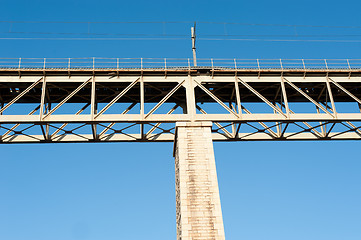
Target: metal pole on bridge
193 32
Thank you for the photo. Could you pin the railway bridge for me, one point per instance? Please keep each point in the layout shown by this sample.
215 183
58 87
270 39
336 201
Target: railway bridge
167 100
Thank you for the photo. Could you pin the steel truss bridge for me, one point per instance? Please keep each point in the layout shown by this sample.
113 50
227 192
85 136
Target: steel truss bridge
114 100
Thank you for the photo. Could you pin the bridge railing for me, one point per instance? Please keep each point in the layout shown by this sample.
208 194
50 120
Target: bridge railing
168 63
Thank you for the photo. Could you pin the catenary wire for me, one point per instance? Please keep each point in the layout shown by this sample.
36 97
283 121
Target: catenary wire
184 22
184 35
201 39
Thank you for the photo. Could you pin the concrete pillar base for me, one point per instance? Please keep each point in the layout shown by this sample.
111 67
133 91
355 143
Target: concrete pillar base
199 214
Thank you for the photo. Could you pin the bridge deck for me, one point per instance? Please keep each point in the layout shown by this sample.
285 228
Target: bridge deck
55 104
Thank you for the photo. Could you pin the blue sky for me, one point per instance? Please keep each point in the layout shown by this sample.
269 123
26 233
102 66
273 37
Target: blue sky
269 190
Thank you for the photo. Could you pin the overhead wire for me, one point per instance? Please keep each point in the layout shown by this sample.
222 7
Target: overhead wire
280 40
86 22
183 35
95 34
186 22
80 39
164 36
200 39
279 25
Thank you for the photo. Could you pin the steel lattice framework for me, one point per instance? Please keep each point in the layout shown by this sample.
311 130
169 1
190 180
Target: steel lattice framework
245 103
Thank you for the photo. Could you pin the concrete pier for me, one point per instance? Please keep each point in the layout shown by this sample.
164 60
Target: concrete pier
199 214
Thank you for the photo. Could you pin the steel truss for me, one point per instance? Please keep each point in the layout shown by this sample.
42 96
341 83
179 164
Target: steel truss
105 105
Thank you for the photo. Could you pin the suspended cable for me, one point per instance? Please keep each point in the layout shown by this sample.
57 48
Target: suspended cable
184 22
204 39
98 34
94 22
280 25
184 35
280 40
281 35
86 39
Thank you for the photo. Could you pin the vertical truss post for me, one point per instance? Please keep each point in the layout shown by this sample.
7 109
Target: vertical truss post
331 97
284 94
190 98
142 96
42 105
93 107
42 100
48 109
238 97
142 104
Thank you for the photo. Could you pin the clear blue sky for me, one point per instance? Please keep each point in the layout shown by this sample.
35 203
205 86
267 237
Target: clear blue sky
269 190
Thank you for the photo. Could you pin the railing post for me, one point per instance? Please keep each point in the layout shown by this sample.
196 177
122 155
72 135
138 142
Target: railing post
349 68
281 64
304 68
69 67
326 64
326 68
348 64
19 71
118 67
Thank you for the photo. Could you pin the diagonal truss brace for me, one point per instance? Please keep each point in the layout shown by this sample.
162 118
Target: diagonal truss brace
113 123
216 123
345 90
158 124
12 129
65 124
67 98
308 97
261 97
166 97
121 94
216 98
20 95
262 124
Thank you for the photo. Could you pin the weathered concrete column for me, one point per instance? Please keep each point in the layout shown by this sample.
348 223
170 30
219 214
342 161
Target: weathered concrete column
199 214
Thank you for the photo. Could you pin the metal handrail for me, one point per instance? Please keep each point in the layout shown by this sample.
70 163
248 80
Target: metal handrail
146 63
